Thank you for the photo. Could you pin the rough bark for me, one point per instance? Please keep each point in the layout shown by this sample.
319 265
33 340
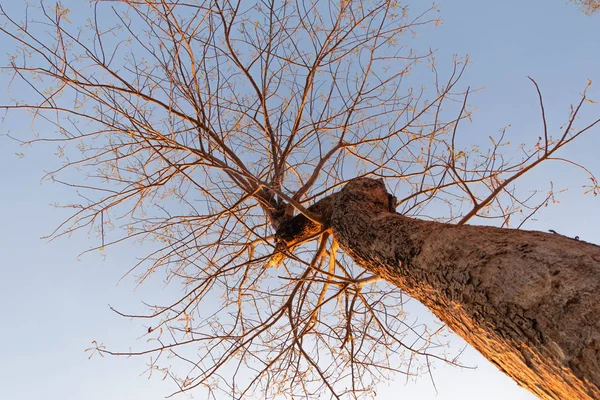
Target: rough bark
528 301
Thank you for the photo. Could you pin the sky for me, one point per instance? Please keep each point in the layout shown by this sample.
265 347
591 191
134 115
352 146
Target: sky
55 303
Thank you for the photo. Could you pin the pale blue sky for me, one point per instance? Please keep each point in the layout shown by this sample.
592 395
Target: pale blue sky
54 305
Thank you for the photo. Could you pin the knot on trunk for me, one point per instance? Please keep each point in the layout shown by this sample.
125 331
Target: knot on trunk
299 229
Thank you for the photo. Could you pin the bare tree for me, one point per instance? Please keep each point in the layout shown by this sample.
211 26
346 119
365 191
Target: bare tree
249 142
588 6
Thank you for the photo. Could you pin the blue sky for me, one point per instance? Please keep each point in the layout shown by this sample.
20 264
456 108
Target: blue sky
55 304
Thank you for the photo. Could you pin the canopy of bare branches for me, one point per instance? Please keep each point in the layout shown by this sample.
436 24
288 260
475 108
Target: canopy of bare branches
588 6
202 127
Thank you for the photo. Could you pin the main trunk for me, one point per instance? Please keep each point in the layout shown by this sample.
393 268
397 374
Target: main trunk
528 301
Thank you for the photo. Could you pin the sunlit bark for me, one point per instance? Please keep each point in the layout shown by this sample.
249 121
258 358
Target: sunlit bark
528 301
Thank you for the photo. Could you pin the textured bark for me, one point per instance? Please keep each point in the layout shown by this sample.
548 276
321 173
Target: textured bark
528 301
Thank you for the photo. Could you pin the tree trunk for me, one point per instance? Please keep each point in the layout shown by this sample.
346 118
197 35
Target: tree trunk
528 301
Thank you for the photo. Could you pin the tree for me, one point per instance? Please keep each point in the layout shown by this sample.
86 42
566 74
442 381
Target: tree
246 140
588 6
